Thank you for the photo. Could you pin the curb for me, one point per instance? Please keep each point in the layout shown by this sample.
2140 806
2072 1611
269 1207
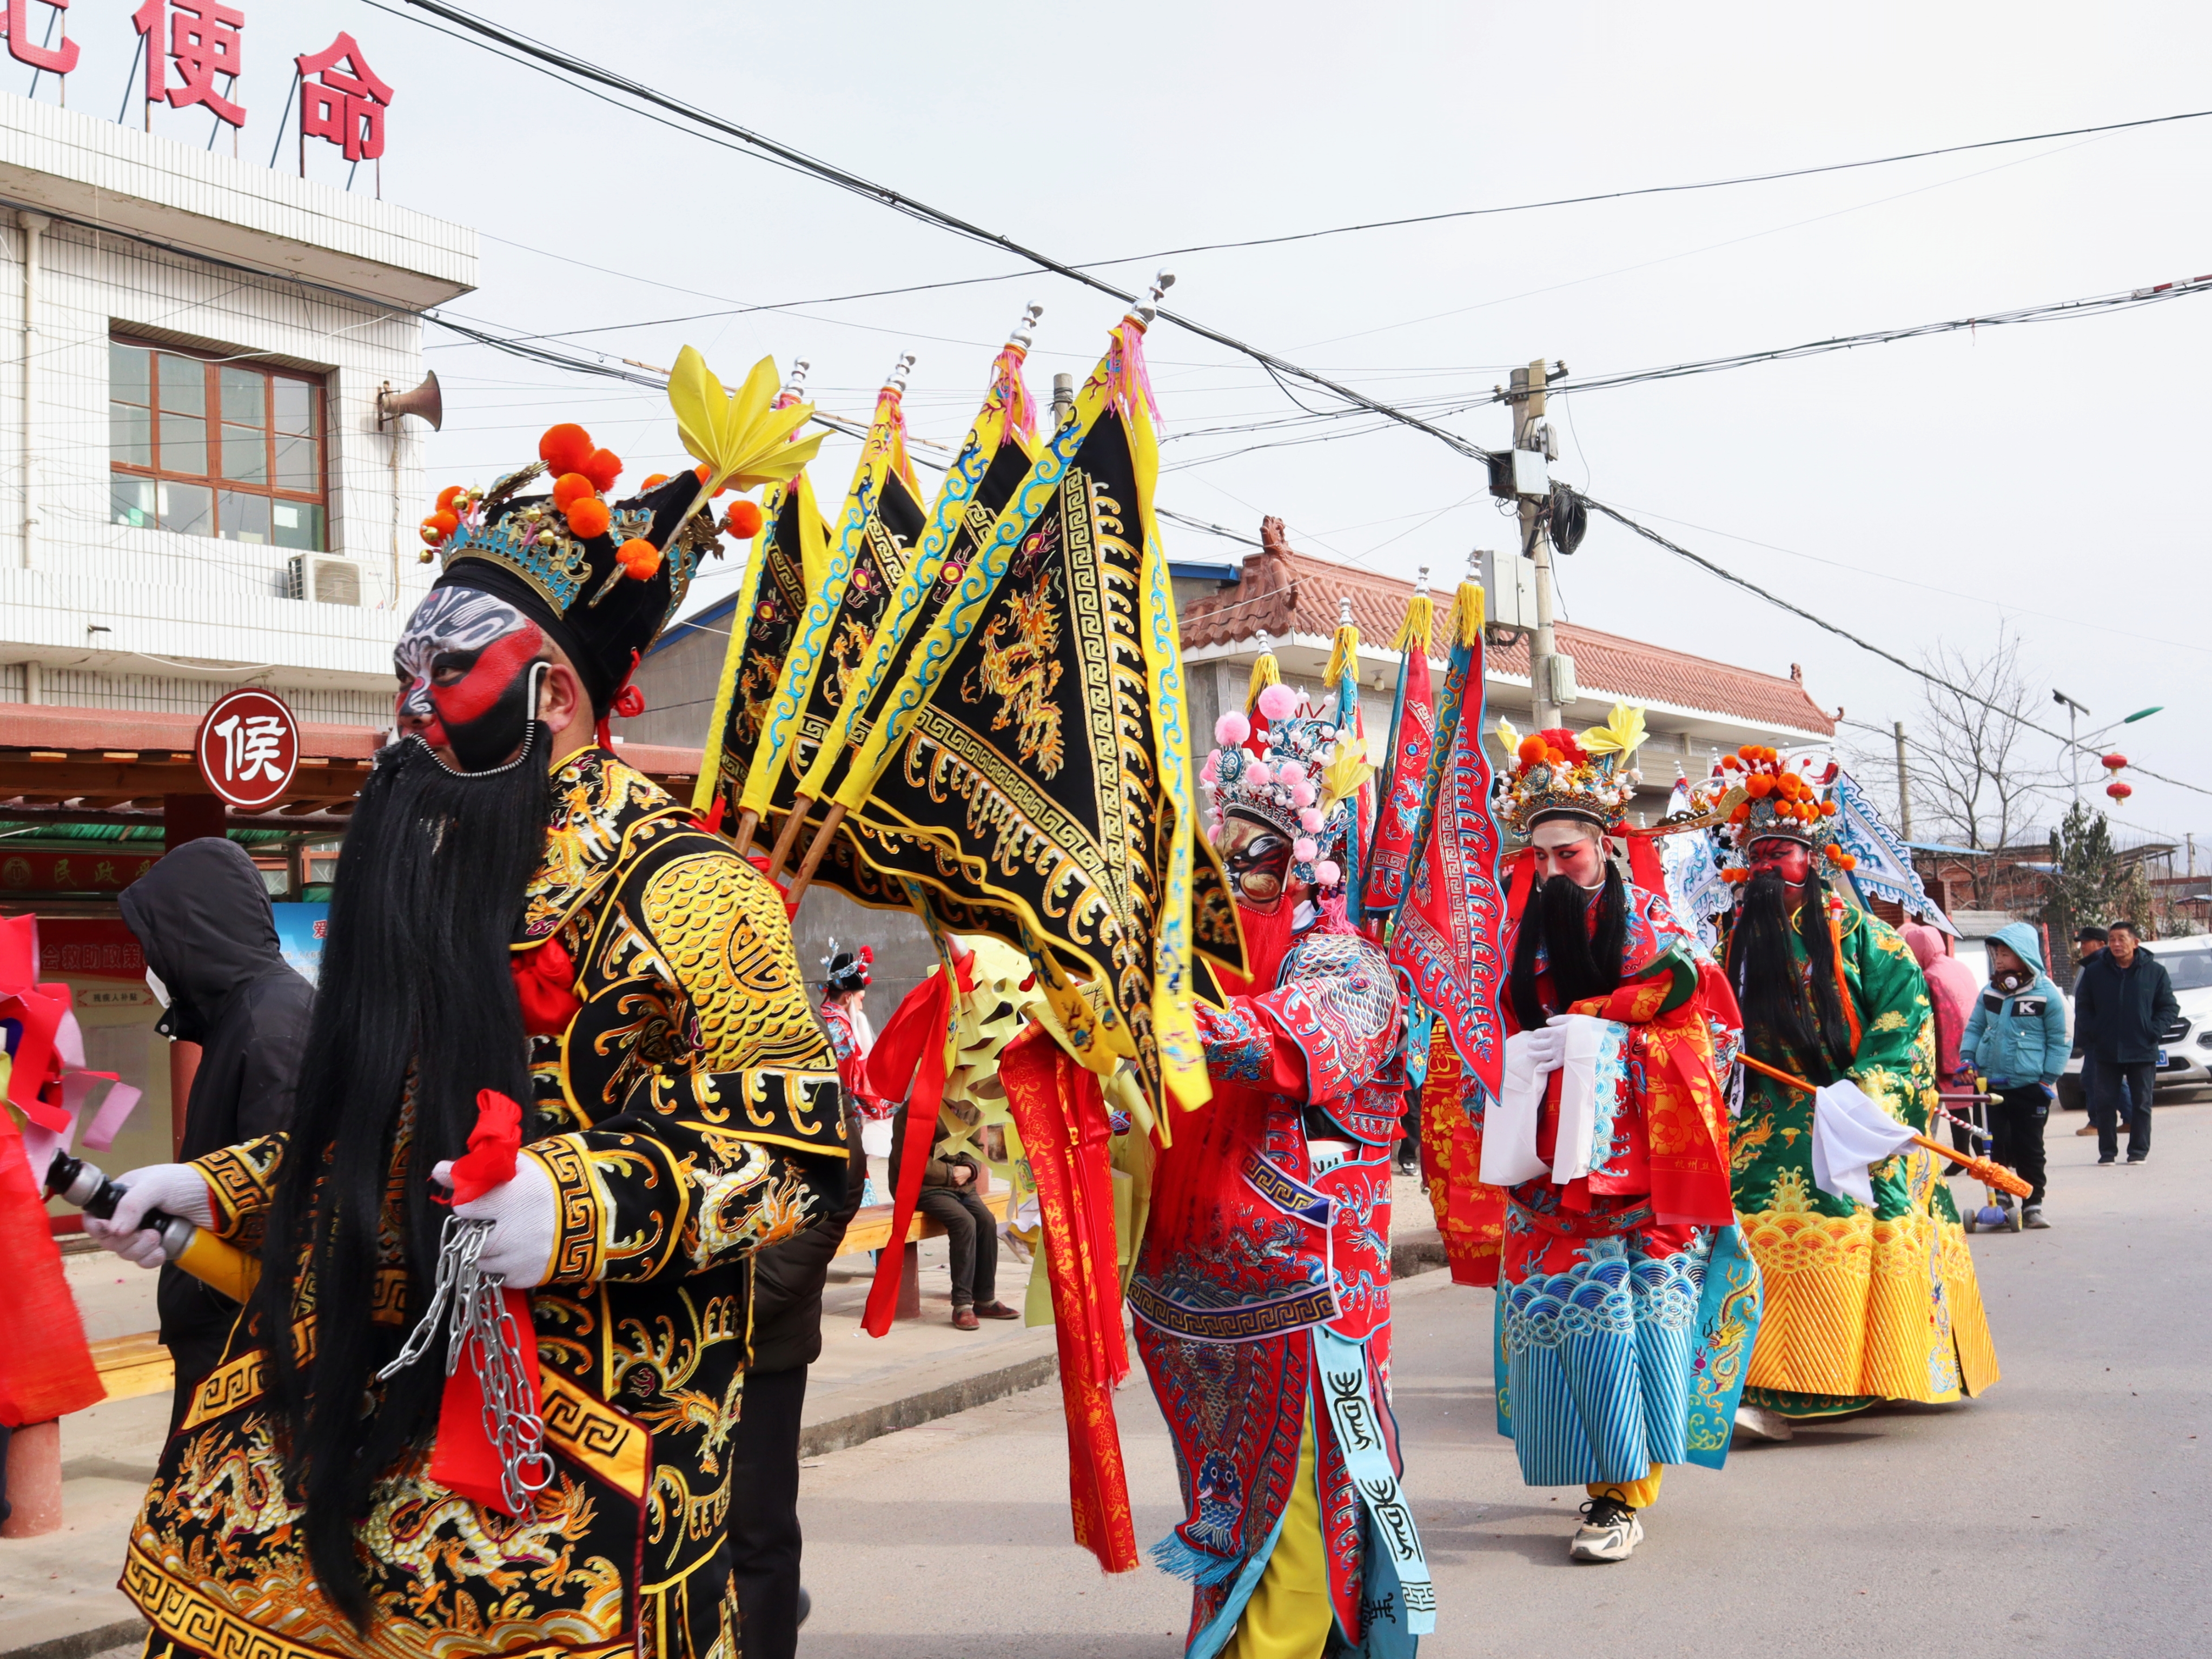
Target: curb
909 1411
82 1644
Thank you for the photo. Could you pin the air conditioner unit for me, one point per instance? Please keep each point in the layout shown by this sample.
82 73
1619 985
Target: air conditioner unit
320 577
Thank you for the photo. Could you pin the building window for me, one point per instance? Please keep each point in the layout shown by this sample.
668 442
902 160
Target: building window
210 447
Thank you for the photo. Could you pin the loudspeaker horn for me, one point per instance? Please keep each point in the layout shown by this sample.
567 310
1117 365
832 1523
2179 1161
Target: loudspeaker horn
423 401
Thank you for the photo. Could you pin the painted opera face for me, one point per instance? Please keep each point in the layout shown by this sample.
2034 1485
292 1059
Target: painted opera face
1257 857
1791 858
463 666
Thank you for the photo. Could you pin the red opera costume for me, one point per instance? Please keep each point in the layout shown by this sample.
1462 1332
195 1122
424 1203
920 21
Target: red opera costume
1262 1290
1625 1299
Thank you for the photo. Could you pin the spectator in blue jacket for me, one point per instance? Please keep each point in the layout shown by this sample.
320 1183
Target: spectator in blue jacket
2016 1039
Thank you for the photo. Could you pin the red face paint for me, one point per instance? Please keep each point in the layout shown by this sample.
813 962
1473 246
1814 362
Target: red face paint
1791 860
464 665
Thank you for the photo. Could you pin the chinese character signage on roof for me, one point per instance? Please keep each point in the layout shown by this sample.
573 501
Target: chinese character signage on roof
248 748
194 53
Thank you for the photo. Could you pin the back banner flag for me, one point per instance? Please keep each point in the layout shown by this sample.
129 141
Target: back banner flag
790 559
1037 746
1406 767
1447 937
882 517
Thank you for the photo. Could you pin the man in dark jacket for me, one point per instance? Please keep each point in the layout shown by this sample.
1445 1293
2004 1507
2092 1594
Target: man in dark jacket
971 1232
787 1281
201 916
2122 1003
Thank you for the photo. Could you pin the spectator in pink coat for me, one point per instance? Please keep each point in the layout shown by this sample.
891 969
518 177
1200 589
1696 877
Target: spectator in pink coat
1954 990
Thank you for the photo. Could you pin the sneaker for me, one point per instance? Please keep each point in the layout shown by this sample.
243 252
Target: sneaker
1762 1424
963 1319
2004 1201
2032 1217
2137 1157
2107 1158
1609 1531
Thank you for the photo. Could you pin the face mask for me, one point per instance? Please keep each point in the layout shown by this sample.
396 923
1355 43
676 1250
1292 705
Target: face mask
464 665
154 984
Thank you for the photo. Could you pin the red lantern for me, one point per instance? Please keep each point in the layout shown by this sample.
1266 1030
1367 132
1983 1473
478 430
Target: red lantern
2119 791
2114 762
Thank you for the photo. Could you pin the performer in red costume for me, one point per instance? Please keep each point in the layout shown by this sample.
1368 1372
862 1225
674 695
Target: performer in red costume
847 975
1262 1287
1626 1301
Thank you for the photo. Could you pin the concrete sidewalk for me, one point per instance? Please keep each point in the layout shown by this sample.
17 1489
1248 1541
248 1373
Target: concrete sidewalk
58 1595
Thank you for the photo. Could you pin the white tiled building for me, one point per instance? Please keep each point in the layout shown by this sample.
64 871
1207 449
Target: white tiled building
202 341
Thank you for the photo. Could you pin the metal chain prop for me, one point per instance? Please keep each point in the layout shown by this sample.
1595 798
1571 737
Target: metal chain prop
482 1329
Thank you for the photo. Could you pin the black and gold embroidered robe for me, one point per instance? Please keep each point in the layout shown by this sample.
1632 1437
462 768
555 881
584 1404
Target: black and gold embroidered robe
689 1115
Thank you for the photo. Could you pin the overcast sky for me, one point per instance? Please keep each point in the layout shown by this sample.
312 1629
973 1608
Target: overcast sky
1919 493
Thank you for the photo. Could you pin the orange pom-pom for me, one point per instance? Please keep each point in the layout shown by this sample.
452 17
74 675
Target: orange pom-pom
447 496
1531 750
700 473
1748 752
1758 788
570 488
588 517
602 469
744 519
565 447
447 523
654 482
432 536
1742 813
1827 809
639 556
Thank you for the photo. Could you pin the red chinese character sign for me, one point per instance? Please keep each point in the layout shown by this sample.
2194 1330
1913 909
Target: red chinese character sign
26 46
204 43
248 748
342 101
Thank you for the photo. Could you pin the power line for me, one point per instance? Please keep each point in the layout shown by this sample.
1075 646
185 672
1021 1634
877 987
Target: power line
2055 311
1648 189
1913 669
570 69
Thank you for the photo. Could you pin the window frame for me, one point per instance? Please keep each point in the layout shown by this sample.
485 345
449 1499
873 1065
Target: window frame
210 416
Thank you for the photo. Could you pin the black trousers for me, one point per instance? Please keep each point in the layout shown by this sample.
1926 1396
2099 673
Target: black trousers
972 1232
2123 1092
763 1526
2017 1119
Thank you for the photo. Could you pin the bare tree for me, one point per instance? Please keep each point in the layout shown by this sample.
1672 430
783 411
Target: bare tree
1971 780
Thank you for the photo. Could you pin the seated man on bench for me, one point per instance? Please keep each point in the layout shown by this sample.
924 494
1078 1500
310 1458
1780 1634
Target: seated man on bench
971 1232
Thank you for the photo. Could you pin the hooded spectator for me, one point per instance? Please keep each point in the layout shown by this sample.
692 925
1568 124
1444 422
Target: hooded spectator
2016 1039
201 916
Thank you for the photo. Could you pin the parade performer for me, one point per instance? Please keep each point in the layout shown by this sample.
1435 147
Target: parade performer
517 913
1863 1302
847 974
1262 1286
1625 1299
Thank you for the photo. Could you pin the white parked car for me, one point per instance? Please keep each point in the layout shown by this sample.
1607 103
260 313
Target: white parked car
2187 1043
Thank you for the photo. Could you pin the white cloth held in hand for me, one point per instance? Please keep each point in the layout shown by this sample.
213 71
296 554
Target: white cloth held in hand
1849 1133
1581 1036
177 1189
522 1213
1509 1122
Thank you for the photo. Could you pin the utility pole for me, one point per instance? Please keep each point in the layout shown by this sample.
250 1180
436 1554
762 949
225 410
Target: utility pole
2074 712
1903 787
1063 400
1531 484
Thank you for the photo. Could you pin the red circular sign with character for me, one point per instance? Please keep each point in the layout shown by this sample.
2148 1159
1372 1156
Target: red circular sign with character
248 748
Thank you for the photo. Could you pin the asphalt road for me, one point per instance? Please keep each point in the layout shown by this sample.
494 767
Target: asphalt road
2057 1515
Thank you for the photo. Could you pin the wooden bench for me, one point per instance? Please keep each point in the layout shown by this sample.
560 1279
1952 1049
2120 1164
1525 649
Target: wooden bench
871 1230
132 1366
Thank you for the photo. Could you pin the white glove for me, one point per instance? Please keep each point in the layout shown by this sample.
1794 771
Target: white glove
177 1189
522 1214
1545 1048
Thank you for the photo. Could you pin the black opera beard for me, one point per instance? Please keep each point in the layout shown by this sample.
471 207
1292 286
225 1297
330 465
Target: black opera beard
415 971
1581 961
1763 971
